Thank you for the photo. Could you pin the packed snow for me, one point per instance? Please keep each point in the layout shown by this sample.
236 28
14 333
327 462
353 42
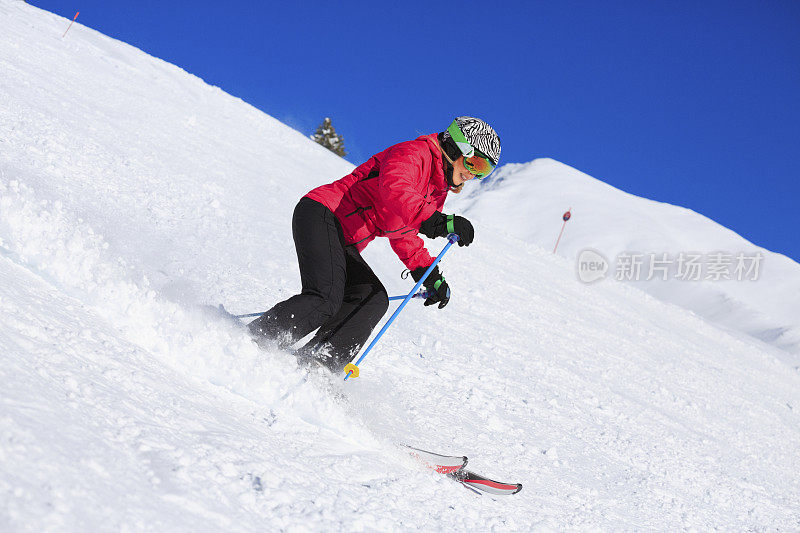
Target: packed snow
132 195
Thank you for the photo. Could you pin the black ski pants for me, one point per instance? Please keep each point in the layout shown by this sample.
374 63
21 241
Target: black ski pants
340 294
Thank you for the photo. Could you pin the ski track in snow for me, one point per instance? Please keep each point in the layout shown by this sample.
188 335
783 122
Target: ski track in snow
131 193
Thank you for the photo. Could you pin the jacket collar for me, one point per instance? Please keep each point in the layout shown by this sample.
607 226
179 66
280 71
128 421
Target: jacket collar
437 161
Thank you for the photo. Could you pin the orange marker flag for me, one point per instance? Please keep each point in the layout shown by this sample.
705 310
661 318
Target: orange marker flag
70 24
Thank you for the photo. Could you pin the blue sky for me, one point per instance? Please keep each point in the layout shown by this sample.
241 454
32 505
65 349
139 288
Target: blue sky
691 103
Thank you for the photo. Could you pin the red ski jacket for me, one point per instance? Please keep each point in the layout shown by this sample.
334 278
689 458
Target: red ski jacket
390 196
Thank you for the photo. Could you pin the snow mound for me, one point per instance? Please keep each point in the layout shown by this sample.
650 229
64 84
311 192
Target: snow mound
761 299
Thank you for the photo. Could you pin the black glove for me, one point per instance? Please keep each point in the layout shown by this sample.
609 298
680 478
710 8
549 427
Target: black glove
439 225
435 284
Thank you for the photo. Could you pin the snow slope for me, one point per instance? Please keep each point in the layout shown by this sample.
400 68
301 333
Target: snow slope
528 200
131 192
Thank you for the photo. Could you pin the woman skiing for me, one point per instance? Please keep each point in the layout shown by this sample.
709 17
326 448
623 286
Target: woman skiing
397 193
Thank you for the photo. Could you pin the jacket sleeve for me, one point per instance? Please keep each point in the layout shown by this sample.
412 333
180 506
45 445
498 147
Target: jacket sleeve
402 182
411 251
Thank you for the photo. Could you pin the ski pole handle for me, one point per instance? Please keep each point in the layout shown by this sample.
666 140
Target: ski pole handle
452 238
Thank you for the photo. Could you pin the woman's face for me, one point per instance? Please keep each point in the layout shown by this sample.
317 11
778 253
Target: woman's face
460 172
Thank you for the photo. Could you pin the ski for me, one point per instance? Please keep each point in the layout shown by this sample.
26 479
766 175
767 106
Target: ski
443 464
476 482
454 467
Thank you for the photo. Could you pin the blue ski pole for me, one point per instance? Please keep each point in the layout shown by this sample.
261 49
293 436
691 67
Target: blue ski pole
352 369
420 294
248 315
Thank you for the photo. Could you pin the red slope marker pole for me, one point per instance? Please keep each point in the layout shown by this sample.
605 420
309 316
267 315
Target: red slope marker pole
565 217
70 24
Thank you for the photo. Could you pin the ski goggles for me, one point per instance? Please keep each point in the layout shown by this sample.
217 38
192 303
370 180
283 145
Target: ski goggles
477 164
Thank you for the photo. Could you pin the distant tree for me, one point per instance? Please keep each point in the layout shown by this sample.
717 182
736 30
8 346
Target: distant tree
326 136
